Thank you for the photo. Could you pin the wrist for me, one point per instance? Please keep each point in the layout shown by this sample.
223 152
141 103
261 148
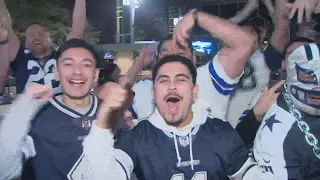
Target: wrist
103 117
196 17
257 113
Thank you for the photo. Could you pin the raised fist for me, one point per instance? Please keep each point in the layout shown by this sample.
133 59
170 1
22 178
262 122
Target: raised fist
39 92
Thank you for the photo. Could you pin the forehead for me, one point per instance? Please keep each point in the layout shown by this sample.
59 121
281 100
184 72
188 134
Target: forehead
77 54
173 68
36 28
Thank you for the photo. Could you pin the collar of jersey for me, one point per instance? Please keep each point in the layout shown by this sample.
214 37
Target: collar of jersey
63 108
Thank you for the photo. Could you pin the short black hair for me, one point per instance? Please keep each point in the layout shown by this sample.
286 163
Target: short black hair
78 43
169 37
258 24
36 23
175 58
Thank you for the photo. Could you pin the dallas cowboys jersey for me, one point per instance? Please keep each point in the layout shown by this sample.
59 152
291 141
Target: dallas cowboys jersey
280 147
207 149
57 133
27 69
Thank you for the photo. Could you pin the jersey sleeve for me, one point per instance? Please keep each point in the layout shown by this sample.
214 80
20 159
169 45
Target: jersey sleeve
215 87
15 144
105 156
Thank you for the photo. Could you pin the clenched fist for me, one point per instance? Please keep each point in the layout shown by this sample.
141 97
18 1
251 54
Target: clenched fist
113 98
40 92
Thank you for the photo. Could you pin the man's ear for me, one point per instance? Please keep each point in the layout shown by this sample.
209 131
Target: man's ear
195 92
96 75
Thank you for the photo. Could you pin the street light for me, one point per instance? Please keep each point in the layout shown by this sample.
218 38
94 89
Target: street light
134 4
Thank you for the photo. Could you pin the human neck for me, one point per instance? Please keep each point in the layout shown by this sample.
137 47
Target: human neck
75 103
187 121
42 55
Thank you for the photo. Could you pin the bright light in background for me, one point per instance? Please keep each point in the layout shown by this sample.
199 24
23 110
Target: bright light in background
135 3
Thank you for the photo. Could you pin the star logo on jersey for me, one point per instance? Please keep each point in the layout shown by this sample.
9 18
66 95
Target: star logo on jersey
270 122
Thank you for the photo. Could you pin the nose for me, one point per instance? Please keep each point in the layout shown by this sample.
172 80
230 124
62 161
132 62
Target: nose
172 86
77 69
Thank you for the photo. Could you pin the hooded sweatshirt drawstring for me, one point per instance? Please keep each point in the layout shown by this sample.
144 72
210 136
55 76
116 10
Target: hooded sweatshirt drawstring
191 153
177 149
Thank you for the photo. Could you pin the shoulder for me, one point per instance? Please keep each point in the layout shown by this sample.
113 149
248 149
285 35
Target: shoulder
220 130
143 128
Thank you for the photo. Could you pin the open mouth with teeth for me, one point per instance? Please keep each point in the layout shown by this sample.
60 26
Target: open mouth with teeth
76 83
173 103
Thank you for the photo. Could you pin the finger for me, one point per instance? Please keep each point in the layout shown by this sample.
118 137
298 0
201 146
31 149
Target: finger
308 13
277 86
265 89
300 14
289 5
124 83
293 11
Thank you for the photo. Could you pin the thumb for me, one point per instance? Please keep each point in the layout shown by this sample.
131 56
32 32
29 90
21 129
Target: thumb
124 82
265 89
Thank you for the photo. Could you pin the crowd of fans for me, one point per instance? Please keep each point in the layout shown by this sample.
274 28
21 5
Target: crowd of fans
249 113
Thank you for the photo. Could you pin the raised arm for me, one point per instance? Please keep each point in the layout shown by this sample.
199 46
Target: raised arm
9 44
238 42
78 19
15 127
101 157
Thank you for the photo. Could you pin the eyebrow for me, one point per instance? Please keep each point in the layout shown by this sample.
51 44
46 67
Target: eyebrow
70 59
183 75
178 75
161 76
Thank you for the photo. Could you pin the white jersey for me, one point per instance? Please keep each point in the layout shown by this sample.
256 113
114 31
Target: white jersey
215 88
246 99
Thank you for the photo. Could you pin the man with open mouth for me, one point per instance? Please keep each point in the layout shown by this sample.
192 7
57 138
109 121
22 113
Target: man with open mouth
48 131
286 145
33 60
175 142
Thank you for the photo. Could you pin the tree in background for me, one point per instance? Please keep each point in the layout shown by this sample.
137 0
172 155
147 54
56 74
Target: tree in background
48 12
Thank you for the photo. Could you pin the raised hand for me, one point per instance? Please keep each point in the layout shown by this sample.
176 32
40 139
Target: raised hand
183 29
113 98
40 92
268 98
304 8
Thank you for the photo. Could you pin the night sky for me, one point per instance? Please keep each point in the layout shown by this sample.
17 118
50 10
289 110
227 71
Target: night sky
102 14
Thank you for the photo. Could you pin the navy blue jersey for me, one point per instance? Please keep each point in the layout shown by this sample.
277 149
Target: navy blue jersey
27 69
216 149
57 132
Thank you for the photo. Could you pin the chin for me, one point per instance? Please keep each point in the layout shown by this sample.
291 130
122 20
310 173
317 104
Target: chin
174 123
77 95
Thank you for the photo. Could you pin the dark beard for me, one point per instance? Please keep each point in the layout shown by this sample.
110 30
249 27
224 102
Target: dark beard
174 124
